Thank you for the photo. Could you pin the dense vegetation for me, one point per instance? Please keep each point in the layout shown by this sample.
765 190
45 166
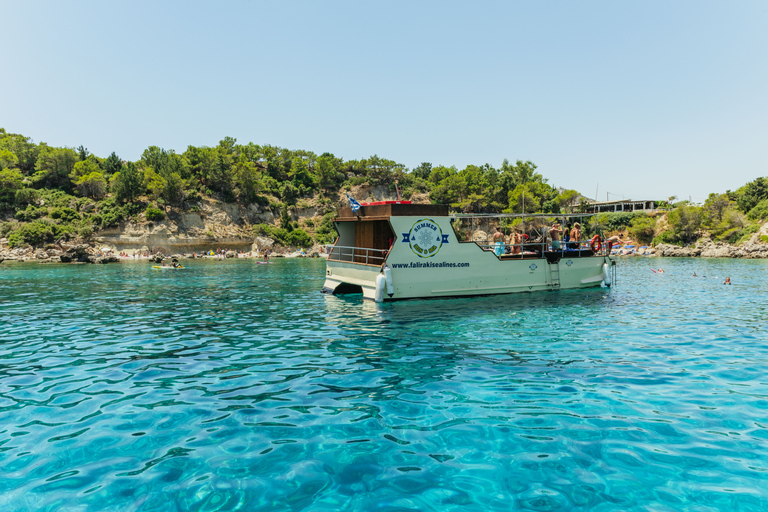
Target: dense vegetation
57 193
732 217
63 193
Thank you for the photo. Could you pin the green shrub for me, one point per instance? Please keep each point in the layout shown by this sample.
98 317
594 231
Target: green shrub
15 240
30 213
26 196
618 221
64 214
299 238
154 214
666 237
57 198
760 211
6 227
85 232
32 233
279 235
326 231
729 236
642 229
738 235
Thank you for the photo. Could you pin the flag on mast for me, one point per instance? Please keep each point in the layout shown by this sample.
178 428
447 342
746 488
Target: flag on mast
353 204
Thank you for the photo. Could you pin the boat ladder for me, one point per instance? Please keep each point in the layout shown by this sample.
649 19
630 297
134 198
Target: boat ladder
554 275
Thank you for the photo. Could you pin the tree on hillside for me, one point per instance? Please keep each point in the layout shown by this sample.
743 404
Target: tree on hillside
83 152
247 178
8 159
173 191
716 205
23 148
92 185
328 171
533 196
112 164
422 171
301 176
126 183
53 167
568 199
11 180
154 183
752 193
83 167
685 223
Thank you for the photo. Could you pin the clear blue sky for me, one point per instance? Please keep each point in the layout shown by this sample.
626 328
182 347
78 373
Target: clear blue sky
647 99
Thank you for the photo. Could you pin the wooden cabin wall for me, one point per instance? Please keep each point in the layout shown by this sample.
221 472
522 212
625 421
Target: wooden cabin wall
372 235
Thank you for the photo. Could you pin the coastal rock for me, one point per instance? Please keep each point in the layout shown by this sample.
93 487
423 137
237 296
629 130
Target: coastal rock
262 244
669 250
79 253
102 259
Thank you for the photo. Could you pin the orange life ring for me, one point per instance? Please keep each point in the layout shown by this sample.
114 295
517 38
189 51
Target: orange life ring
596 244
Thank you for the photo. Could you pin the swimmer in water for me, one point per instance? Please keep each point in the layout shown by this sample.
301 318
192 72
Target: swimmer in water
727 280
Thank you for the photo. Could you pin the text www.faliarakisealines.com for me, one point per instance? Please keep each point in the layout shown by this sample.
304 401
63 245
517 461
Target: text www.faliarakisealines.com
429 264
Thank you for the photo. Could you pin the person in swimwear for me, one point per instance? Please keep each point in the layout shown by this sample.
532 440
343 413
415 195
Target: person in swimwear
575 235
517 240
727 280
554 233
498 239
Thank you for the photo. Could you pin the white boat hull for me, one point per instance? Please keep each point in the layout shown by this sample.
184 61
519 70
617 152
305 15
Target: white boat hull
449 268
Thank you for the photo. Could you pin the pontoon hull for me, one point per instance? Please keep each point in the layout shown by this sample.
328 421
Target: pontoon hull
426 260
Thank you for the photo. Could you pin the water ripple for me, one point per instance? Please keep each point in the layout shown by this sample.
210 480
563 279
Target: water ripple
237 386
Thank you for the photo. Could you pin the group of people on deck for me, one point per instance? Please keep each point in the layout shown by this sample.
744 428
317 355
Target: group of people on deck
571 236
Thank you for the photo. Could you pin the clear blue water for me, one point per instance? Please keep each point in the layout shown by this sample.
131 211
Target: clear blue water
238 386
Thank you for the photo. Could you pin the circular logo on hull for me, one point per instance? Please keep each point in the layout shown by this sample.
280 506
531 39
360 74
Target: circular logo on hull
425 238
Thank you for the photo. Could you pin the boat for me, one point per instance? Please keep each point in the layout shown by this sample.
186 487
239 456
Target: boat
168 267
392 250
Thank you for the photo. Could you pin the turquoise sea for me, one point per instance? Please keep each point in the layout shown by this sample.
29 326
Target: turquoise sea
239 386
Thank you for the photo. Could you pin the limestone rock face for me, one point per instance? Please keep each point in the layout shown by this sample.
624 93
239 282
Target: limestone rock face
262 244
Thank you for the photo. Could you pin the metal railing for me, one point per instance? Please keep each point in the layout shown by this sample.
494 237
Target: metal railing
538 247
357 254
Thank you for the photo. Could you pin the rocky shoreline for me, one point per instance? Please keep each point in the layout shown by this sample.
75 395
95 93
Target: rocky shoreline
91 253
706 248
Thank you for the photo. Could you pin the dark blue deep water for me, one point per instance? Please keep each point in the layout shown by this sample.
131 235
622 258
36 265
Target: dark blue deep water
238 386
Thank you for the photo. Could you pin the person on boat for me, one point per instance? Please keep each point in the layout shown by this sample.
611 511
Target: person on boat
266 256
498 239
616 239
554 232
575 235
727 280
516 239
